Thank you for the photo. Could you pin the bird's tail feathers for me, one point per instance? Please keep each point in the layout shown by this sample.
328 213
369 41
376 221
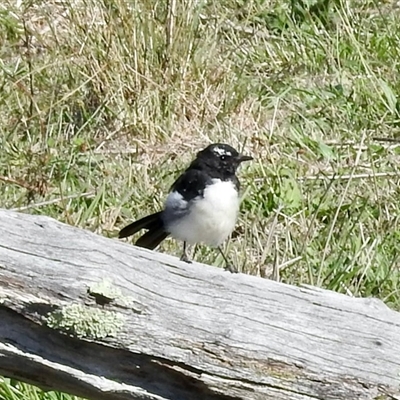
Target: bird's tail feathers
150 222
151 239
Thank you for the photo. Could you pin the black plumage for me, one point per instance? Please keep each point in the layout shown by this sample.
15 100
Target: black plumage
217 162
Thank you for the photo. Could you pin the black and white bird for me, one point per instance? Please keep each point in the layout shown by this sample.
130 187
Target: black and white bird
202 205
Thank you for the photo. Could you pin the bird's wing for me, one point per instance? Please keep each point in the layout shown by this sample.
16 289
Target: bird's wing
191 184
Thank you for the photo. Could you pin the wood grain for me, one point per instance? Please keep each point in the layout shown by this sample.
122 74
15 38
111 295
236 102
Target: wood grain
190 331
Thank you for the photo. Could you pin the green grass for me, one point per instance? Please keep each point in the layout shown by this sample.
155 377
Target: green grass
104 102
11 389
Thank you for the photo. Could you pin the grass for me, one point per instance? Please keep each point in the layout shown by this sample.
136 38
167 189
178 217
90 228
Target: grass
104 102
11 389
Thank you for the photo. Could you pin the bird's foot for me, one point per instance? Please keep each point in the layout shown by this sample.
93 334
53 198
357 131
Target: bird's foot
231 268
228 266
185 258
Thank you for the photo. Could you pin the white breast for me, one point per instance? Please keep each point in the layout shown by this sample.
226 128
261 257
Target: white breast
209 219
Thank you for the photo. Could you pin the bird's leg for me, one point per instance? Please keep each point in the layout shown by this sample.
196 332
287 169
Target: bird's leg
228 266
185 256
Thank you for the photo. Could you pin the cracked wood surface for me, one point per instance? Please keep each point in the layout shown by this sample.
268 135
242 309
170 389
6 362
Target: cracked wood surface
190 331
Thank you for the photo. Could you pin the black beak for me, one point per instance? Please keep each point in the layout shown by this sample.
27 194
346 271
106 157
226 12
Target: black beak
242 158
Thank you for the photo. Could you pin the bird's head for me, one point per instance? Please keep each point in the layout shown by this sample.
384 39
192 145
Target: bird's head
221 158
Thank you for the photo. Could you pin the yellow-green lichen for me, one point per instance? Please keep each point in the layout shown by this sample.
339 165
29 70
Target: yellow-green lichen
105 288
79 320
104 292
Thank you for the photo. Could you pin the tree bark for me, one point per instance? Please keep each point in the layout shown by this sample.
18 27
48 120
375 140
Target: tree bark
103 319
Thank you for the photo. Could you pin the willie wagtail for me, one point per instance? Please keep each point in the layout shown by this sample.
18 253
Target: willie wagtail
202 205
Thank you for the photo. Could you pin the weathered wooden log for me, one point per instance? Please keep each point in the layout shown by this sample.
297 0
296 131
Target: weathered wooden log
105 320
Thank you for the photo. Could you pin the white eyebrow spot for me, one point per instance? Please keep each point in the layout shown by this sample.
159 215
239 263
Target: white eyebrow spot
221 151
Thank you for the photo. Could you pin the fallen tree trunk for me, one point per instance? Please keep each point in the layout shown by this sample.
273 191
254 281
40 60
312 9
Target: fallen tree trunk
104 320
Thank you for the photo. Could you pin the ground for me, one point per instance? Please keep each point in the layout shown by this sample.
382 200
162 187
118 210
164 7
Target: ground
104 102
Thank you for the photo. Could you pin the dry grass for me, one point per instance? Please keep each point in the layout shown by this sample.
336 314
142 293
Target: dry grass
113 99
103 103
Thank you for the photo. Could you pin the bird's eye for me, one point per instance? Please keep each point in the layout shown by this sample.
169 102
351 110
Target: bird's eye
222 157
